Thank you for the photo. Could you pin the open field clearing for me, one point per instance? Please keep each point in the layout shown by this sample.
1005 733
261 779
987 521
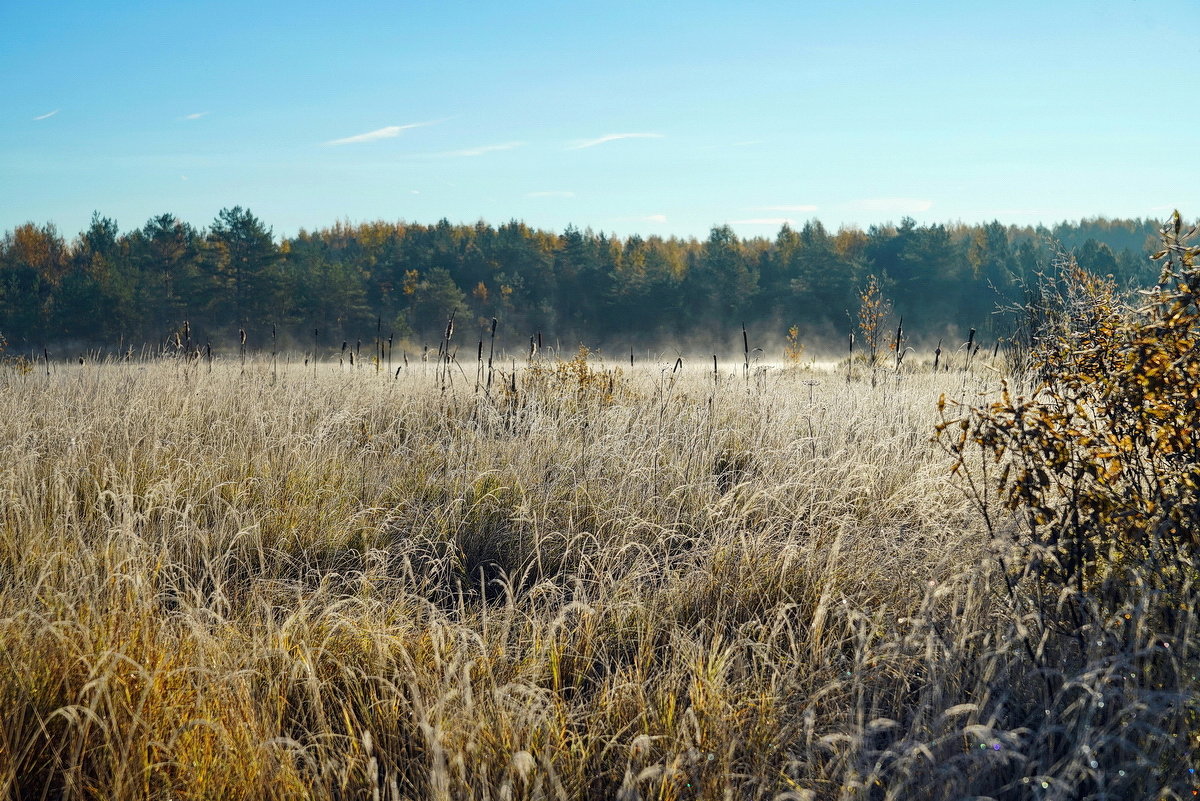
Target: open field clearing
610 401
323 583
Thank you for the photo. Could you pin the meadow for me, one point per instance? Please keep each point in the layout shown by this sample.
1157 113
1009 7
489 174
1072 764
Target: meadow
587 580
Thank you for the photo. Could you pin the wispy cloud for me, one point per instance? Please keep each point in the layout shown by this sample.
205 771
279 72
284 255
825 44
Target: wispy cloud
765 221
481 150
894 205
195 116
655 218
551 193
390 132
47 116
800 207
613 138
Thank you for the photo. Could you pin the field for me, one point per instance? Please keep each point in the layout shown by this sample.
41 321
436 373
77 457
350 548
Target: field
583 582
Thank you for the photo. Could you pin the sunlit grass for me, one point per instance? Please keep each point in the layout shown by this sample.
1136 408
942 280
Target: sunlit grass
335 584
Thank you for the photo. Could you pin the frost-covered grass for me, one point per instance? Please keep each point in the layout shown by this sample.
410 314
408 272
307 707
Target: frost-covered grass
332 584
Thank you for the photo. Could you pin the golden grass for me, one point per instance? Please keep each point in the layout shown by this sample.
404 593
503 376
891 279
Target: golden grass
340 585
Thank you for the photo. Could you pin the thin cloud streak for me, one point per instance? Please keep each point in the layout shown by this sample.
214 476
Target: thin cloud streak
613 138
655 218
390 132
195 116
47 116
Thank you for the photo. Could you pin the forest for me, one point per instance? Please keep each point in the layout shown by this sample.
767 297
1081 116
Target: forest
110 290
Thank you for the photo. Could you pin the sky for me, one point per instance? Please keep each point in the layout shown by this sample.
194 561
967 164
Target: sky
623 117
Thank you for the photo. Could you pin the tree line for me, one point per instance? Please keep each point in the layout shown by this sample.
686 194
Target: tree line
111 289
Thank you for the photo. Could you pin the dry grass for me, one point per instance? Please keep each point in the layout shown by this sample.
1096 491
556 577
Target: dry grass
336 585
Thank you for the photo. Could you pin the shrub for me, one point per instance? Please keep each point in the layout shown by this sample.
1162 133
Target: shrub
1093 477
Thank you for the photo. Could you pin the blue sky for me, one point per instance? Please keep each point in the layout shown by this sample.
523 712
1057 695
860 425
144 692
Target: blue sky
623 117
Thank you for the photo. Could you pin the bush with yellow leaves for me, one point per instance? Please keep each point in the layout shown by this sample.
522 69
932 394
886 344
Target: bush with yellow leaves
1098 464
1090 485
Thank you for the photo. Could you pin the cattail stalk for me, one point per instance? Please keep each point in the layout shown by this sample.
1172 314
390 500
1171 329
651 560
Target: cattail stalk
491 353
479 367
899 342
746 351
850 363
444 356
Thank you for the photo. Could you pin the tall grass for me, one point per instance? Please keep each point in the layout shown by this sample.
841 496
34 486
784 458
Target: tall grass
594 585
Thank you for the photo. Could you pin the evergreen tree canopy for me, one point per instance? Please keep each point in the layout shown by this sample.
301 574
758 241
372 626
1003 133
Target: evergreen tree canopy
351 281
